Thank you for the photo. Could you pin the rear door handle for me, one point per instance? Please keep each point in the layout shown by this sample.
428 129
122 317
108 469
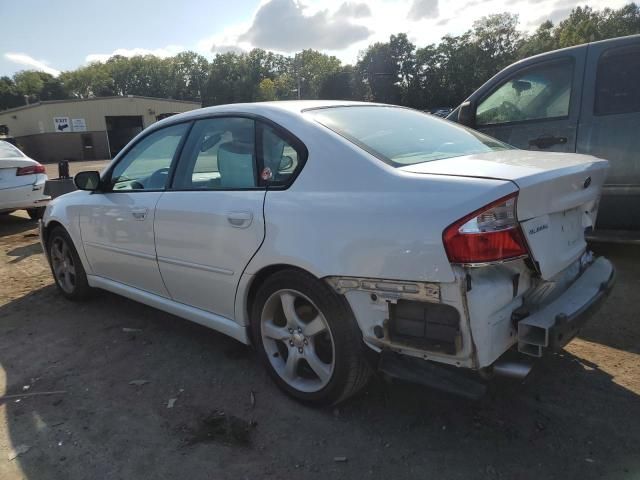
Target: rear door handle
546 141
139 213
240 219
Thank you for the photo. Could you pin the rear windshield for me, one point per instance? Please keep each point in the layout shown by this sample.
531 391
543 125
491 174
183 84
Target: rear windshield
401 136
9 151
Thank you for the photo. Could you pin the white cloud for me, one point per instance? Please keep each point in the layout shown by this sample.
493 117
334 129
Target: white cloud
285 25
423 9
165 52
31 63
345 28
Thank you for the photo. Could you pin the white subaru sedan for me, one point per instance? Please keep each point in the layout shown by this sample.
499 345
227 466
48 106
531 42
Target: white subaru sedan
21 182
341 238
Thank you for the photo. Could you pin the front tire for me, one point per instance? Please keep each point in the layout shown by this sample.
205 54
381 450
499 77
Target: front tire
66 266
308 340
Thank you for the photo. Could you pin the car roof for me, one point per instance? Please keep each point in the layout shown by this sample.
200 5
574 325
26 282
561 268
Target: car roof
292 107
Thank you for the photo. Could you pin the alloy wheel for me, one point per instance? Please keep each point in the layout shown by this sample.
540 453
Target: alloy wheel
63 266
297 340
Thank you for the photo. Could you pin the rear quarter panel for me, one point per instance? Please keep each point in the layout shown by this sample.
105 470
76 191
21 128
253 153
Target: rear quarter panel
350 214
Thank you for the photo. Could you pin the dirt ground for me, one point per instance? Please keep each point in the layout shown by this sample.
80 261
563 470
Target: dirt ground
577 416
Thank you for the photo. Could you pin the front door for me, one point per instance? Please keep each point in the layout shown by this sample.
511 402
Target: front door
537 107
210 222
117 225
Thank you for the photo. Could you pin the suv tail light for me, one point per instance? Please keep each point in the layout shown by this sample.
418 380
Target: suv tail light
490 234
30 170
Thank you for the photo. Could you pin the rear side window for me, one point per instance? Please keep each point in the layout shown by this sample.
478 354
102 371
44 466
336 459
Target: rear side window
281 155
401 136
537 93
618 81
9 151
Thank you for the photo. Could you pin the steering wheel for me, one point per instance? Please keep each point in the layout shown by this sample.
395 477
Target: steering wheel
158 179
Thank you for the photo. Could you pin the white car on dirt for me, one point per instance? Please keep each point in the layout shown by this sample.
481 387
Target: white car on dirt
342 237
21 182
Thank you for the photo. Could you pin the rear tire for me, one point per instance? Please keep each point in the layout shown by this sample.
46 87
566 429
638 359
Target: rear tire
66 266
35 213
308 339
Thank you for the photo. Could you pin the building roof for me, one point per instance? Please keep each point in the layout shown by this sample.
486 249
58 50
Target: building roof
75 100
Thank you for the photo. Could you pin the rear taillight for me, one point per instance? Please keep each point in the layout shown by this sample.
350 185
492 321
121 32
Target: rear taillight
491 234
30 170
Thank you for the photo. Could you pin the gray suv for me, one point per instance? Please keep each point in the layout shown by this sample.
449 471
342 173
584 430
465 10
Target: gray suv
583 99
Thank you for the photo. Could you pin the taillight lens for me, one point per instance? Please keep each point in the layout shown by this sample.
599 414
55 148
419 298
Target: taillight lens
490 234
30 170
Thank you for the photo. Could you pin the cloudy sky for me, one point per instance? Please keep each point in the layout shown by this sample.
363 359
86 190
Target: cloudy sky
57 36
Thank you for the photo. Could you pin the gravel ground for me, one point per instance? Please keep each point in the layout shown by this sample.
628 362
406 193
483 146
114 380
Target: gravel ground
576 416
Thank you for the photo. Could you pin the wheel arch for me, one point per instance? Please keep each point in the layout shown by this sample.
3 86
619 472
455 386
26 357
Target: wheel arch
47 229
256 281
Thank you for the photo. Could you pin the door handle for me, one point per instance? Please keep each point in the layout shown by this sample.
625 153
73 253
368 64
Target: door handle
239 219
139 213
546 141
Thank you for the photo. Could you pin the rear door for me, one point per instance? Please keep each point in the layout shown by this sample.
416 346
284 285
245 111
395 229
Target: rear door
610 125
536 104
210 223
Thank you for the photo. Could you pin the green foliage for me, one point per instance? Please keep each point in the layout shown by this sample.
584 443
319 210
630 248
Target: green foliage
267 90
392 72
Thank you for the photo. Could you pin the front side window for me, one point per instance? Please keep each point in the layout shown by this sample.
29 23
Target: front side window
146 166
617 81
540 92
401 136
219 155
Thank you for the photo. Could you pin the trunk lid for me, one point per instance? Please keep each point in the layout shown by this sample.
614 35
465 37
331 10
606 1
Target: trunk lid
557 200
8 169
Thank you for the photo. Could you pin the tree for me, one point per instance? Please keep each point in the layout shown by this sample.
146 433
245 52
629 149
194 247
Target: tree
9 96
339 85
94 80
267 90
188 76
379 72
29 84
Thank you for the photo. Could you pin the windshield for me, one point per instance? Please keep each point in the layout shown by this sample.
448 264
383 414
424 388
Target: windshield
9 151
401 136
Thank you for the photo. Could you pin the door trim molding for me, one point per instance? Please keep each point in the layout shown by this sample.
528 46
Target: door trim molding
196 266
124 251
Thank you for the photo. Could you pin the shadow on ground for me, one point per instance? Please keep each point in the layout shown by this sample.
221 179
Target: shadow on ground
14 223
568 420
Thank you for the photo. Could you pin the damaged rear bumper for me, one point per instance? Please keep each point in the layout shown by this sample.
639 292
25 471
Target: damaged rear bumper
556 324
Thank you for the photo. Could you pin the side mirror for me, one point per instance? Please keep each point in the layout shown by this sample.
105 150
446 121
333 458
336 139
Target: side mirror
466 114
87 180
286 163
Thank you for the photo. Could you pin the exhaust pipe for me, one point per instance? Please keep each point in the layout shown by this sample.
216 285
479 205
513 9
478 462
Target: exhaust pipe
509 369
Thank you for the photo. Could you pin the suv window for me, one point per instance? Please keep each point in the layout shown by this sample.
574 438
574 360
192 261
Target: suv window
540 92
219 155
617 81
146 165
